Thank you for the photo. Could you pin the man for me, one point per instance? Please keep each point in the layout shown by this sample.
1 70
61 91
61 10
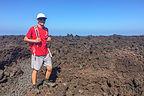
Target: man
38 37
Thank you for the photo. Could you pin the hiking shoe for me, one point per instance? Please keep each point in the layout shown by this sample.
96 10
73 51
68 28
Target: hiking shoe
36 89
49 83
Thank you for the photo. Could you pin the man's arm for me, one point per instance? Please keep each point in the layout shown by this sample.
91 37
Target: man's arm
28 36
32 40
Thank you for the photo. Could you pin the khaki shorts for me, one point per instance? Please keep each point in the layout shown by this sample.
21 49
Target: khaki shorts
38 61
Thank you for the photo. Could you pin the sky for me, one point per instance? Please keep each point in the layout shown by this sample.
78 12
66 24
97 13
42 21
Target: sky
76 17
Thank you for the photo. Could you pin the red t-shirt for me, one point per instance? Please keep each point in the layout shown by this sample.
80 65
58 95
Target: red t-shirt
40 48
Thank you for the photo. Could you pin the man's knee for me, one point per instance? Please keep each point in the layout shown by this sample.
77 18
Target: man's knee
34 71
49 68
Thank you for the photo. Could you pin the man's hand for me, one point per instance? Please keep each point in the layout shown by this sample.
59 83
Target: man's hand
37 40
49 39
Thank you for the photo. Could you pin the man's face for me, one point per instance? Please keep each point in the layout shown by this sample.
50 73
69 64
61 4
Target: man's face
41 21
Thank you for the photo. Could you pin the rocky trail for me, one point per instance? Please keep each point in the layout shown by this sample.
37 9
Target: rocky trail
82 66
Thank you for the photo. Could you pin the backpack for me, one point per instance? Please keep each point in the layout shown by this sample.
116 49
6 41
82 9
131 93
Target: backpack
37 34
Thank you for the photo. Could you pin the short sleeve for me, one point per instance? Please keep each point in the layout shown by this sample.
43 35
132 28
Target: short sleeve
29 34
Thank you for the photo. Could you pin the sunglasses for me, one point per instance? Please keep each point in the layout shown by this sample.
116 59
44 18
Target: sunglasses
42 19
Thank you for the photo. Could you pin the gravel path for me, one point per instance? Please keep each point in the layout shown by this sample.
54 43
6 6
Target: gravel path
23 83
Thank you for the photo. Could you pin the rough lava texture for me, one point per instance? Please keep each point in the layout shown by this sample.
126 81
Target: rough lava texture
82 66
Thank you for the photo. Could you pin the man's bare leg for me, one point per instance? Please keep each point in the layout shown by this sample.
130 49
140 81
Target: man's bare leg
34 76
48 72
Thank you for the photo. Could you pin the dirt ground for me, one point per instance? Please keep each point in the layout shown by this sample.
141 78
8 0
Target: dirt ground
82 66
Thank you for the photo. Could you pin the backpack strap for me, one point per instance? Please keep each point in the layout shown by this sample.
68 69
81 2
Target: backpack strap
36 30
46 29
37 33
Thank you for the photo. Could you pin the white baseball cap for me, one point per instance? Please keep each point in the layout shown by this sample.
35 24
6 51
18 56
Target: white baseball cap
41 15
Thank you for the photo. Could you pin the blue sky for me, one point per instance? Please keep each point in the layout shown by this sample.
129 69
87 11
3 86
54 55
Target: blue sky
77 17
